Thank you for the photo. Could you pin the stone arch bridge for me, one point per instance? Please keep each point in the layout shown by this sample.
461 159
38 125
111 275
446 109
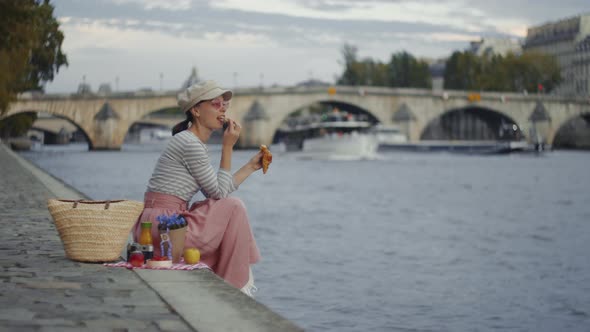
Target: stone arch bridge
105 120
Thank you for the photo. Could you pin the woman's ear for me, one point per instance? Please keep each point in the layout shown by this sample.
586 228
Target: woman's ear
195 112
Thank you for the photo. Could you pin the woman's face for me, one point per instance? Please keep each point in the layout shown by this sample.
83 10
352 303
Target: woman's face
211 113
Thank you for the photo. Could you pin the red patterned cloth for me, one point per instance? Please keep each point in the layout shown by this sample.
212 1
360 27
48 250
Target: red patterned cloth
179 266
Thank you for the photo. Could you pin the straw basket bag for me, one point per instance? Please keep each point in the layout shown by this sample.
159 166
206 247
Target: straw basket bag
94 231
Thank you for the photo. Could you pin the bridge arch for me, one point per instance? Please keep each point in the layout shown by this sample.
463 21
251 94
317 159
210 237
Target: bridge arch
472 123
317 108
574 132
340 104
153 125
54 115
356 103
78 128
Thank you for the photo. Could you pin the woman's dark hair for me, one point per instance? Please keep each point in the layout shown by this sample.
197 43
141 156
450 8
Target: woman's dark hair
182 125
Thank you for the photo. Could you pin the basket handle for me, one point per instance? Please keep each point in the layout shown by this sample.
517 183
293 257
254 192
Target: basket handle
106 205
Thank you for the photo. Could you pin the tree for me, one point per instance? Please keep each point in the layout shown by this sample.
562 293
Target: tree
369 72
527 71
17 125
405 71
350 74
539 69
453 74
30 47
463 71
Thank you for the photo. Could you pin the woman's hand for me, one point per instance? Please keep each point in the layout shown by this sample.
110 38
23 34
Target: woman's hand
231 134
255 163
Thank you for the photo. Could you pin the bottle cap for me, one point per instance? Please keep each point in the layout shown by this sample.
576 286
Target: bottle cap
146 224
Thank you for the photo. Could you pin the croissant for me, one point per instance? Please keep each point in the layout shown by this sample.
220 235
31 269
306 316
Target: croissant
266 158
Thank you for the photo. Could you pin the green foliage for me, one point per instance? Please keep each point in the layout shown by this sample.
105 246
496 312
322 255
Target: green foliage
17 125
466 71
30 47
402 71
457 70
368 72
406 71
350 75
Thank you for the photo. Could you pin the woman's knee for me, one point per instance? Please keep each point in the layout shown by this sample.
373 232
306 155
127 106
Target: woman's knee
235 203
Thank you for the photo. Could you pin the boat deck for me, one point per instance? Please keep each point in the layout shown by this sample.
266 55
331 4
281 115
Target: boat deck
468 147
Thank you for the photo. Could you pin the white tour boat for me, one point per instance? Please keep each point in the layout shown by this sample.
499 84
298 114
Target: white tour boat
388 135
335 137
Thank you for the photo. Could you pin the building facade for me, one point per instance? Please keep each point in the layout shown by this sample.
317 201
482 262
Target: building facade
564 39
581 67
492 46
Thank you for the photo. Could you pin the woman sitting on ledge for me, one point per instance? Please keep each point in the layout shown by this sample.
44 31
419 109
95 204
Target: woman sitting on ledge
217 226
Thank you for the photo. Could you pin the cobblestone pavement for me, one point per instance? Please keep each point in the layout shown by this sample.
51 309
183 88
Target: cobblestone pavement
41 290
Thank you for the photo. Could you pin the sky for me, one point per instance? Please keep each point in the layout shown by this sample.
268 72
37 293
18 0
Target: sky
154 44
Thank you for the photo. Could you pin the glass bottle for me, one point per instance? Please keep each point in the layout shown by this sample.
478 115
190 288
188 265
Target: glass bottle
145 237
146 241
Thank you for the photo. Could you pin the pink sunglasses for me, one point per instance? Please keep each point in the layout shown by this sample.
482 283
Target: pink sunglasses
218 104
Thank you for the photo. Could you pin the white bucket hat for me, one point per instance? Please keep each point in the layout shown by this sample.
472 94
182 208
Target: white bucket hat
197 92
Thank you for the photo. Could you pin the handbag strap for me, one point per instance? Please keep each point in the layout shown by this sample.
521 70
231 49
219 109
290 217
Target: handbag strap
106 205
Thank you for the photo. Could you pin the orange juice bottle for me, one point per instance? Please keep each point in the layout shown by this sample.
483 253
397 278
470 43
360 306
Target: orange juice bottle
146 241
145 237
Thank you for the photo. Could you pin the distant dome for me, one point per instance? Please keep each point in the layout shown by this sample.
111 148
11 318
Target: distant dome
192 79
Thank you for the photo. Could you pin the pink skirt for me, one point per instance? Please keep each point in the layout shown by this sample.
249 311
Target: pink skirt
218 228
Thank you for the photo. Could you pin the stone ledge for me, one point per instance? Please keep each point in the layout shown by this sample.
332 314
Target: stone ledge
207 303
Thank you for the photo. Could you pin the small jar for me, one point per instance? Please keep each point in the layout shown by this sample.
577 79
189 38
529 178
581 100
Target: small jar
136 259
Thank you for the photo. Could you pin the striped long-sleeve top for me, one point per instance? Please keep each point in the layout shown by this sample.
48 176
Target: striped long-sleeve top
184 168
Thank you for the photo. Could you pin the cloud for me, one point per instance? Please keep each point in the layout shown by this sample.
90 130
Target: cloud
254 15
453 14
284 29
336 5
176 5
284 40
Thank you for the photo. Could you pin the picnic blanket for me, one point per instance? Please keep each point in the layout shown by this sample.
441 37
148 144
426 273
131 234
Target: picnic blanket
178 266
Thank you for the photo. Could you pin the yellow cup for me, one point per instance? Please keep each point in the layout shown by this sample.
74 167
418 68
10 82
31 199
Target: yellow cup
192 255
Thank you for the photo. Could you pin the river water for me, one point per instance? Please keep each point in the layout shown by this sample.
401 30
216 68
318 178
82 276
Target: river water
408 242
